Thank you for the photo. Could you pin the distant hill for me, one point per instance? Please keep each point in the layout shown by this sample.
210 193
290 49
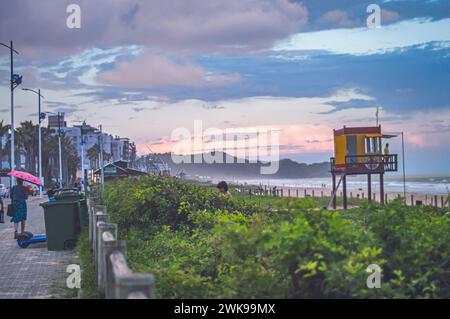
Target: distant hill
287 168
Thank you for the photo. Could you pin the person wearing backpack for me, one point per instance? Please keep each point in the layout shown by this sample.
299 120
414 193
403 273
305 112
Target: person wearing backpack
19 195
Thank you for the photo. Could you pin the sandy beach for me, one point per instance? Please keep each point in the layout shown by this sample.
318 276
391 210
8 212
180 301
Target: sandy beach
411 198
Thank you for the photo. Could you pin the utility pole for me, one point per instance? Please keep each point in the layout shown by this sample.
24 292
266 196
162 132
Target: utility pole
16 80
13 158
377 114
82 157
102 175
40 142
40 118
403 166
59 146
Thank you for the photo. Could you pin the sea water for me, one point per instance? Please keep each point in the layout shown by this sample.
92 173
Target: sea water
431 185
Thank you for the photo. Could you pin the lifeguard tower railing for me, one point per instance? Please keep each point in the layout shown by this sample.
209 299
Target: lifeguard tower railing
365 164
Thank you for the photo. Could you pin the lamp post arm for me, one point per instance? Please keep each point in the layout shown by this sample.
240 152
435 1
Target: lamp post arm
7 46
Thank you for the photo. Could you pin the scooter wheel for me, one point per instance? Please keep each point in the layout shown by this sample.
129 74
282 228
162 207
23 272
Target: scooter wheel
23 244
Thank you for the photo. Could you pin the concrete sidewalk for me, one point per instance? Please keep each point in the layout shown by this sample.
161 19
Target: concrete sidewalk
34 272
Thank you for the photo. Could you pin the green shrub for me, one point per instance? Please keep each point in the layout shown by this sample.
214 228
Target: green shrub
88 277
201 244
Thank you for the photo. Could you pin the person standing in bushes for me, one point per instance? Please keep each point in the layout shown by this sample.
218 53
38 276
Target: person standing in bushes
223 188
19 195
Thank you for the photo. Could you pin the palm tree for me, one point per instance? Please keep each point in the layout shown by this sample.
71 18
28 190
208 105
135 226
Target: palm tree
133 154
3 131
92 154
50 156
27 135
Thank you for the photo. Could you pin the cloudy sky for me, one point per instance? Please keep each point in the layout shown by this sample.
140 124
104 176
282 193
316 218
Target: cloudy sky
145 68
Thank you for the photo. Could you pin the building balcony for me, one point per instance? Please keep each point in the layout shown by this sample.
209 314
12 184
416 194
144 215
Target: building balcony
365 164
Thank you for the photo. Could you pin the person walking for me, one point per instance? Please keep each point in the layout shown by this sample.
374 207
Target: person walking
19 195
2 211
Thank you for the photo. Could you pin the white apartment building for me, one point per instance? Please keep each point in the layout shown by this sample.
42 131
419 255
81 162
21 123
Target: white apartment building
114 147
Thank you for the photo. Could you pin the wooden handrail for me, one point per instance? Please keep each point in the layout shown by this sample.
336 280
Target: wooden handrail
115 279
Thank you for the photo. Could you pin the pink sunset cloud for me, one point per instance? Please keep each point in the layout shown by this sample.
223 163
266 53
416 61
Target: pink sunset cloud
293 139
150 69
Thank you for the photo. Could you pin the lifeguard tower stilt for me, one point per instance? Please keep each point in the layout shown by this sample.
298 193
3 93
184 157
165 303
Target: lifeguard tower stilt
358 151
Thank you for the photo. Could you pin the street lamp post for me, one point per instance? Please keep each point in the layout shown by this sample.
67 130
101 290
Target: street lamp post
38 92
82 158
102 175
59 146
15 81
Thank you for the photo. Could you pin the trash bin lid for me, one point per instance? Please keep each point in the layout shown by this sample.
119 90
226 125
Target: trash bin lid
48 204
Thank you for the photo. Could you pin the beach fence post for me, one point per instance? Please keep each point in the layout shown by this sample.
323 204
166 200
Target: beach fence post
297 192
386 198
435 201
282 191
312 194
305 193
289 192
442 201
412 200
321 194
374 197
426 199
362 195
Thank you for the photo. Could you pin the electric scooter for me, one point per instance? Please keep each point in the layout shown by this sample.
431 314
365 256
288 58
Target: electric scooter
26 238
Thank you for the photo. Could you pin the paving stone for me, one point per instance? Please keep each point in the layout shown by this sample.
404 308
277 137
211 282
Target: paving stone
33 272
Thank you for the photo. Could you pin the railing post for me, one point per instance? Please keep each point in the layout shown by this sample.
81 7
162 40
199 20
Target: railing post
101 275
98 218
110 247
129 285
92 221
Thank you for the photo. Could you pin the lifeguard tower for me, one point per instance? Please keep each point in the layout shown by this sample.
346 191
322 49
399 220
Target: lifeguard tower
358 150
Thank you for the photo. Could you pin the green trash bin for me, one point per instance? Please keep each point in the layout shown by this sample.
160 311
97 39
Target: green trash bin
62 224
84 213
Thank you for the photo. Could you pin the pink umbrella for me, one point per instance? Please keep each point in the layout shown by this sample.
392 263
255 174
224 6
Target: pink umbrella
26 177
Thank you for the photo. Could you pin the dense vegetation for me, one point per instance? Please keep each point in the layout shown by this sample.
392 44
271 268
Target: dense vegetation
88 278
201 244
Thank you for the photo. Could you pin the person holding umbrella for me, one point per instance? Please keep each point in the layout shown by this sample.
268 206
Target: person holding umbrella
19 195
